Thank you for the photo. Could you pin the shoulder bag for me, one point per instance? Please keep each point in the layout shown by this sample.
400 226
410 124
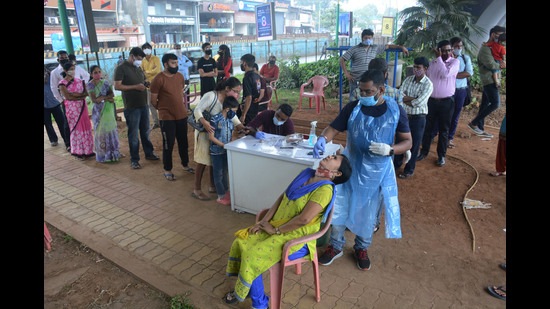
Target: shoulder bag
197 125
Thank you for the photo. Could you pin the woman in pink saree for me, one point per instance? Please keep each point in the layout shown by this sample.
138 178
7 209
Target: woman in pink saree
74 93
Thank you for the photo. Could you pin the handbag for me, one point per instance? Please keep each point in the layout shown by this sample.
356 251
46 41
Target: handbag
468 98
197 125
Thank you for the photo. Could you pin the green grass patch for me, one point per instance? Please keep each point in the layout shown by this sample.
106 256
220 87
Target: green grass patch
180 302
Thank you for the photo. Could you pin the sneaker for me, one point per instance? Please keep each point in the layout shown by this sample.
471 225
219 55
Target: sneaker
330 255
223 201
486 134
53 144
227 195
475 129
153 156
362 259
135 165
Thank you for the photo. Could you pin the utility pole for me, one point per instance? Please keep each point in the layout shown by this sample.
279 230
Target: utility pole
65 26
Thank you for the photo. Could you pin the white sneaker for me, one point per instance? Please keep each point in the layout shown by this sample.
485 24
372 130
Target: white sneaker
486 134
475 129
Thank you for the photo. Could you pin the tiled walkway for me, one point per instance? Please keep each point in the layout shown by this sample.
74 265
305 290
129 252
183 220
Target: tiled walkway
156 230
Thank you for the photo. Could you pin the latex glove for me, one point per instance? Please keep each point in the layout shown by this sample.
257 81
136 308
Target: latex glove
260 135
319 147
406 156
380 149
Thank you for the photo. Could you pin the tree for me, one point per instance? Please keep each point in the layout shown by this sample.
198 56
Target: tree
435 20
364 17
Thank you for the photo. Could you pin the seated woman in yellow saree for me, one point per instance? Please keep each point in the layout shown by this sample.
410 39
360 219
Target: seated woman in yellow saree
297 212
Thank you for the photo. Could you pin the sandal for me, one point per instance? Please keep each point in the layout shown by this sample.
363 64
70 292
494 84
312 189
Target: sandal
230 298
496 174
201 196
189 169
497 291
169 176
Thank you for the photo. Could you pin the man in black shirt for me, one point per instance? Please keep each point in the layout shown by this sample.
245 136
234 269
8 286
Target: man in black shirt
251 89
207 69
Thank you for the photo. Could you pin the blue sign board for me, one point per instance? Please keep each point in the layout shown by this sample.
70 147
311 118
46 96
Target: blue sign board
247 6
265 24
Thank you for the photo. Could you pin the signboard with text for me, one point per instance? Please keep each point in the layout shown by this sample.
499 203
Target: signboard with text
265 23
387 26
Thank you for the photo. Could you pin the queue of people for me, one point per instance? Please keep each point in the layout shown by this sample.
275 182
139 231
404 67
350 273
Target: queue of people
384 125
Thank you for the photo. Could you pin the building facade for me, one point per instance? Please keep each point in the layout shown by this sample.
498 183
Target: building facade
125 23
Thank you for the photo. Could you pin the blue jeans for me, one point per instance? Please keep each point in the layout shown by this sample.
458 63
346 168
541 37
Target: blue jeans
137 120
337 239
417 123
490 101
220 170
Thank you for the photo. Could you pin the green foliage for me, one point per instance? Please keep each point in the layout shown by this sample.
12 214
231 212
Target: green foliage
180 302
293 74
435 20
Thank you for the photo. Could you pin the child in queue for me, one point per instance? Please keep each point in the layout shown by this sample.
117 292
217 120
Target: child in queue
219 137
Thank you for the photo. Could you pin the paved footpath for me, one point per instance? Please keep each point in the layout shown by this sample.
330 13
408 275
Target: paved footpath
154 229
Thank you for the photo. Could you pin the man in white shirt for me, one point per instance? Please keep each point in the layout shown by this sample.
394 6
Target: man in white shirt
55 78
79 71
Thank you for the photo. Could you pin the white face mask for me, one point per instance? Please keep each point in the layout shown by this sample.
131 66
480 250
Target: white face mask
137 63
70 72
277 122
147 51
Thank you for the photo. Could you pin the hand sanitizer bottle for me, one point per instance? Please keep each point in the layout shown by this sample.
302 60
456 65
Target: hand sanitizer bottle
312 137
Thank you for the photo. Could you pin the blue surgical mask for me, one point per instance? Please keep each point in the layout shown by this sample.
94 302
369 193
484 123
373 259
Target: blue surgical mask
367 42
457 52
277 122
230 114
367 101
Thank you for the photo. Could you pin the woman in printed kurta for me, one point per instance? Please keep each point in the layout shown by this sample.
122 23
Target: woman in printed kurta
74 94
297 212
103 117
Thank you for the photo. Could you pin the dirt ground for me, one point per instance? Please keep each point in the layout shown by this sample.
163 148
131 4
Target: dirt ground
77 277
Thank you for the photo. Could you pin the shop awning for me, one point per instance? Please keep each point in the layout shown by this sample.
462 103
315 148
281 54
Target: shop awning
100 38
110 37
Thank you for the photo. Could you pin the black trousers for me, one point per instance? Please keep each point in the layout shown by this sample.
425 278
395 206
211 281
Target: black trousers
440 112
172 131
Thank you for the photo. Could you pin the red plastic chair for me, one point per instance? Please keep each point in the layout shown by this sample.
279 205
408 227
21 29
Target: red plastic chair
277 271
319 83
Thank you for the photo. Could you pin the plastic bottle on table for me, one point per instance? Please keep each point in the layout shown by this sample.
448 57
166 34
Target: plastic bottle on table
312 136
